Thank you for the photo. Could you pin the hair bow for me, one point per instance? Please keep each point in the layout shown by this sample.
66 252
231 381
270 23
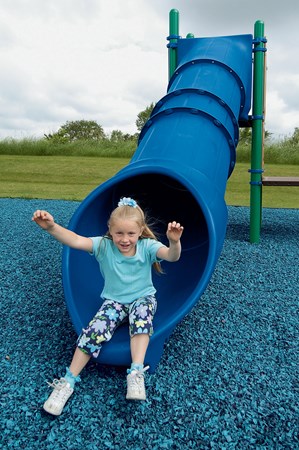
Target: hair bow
127 201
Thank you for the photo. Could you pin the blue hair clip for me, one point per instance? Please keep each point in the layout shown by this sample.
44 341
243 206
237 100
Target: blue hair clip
127 201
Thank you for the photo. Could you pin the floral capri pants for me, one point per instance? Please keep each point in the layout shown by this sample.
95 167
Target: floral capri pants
140 314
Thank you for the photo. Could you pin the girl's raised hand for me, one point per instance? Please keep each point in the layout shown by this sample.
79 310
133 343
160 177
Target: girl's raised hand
174 231
43 219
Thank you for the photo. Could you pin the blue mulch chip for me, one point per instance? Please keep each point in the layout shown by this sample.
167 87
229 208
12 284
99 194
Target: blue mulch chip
228 378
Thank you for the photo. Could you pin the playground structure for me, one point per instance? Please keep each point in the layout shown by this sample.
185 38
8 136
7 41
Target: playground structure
256 121
186 153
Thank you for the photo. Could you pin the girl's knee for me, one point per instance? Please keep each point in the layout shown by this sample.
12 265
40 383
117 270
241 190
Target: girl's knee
141 316
91 343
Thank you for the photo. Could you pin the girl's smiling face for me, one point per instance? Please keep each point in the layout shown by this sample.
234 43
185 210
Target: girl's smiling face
125 234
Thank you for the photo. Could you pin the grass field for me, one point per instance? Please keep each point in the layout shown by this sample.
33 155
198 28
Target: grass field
73 178
238 187
54 177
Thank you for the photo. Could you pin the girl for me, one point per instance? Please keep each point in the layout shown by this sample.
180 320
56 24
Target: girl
125 256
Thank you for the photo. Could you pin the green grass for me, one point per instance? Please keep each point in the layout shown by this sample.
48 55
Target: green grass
74 177
238 187
54 177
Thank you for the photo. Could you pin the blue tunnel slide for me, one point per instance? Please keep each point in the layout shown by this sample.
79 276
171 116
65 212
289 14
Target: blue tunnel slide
186 153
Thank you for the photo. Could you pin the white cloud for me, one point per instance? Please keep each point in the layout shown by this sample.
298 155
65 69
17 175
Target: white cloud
106 61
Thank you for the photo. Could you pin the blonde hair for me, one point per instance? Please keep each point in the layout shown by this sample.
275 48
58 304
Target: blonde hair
138 216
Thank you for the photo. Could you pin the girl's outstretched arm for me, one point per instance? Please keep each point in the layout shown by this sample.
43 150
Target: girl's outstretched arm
173 252
46 221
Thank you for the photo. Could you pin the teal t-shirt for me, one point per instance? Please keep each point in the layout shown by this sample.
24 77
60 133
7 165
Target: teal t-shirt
126 278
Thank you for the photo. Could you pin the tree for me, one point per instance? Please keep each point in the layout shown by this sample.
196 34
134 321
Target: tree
119 136
87 130
294 140
245 136
143 116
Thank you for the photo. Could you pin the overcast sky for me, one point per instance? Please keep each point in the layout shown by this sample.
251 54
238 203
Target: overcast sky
106 60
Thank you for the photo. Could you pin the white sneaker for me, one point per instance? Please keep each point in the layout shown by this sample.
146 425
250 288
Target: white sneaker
135 385
60 395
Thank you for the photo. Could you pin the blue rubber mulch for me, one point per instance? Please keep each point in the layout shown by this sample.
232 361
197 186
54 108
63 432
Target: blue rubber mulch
229 376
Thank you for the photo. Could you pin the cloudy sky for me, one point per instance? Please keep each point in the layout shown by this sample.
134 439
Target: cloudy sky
106 60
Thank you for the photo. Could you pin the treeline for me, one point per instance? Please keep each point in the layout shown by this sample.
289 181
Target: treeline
87 138
75 138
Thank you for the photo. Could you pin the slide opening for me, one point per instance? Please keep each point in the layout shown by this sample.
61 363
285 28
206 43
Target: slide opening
164 199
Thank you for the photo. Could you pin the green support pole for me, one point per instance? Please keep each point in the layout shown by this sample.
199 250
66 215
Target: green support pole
257 133
173 39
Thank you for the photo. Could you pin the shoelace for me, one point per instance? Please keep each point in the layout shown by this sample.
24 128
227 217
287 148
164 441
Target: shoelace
58 386
136 378
143 370
140 371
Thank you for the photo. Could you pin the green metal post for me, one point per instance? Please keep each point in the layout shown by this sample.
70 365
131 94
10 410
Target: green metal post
257 133
173 39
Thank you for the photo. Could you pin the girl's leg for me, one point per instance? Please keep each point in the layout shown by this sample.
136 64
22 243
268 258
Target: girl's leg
79 361
141 328
89 343
139 344
99 330
141 316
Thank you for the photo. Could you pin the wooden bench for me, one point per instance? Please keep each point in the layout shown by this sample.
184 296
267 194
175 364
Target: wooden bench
280 181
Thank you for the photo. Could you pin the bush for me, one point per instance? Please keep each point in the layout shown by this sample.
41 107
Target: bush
78 130
43 147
